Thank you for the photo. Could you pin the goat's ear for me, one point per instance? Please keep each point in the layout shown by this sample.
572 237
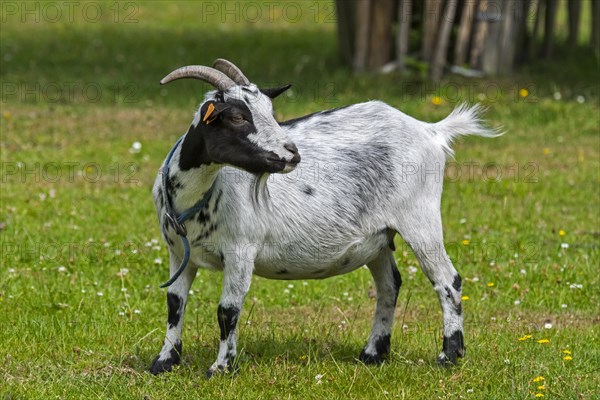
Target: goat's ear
274 92
211 110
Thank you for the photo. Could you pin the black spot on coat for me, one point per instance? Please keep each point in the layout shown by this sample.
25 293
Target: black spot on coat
308 190
228 317
457 283
173 304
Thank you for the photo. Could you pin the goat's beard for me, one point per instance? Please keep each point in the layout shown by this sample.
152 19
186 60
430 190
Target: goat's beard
259 190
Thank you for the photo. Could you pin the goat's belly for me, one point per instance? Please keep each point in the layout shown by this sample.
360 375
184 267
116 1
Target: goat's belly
312 262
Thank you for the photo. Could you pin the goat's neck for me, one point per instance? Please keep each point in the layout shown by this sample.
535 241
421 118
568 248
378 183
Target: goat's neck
191 174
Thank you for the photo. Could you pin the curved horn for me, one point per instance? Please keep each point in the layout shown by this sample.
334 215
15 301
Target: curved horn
207 74
231 71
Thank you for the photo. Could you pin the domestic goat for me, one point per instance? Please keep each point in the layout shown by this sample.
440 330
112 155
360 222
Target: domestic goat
368 172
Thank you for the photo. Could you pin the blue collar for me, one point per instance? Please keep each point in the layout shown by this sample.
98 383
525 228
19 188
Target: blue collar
177 221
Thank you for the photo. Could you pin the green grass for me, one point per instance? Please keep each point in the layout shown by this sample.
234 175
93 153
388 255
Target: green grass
66 238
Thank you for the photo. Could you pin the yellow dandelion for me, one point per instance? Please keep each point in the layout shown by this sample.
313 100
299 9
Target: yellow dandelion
490 284
525 337
465 298
546 151
566 351
466 242
543 341
6 114
567 358
562 233
523 92
436 100
539 395
538 379
541 387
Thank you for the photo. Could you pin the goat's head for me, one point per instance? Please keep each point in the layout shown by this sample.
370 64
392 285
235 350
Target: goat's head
235 123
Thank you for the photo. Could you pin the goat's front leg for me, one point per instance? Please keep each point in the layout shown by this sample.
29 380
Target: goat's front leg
387 281
177 294
236 283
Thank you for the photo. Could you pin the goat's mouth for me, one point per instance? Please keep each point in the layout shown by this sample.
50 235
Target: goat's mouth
281 166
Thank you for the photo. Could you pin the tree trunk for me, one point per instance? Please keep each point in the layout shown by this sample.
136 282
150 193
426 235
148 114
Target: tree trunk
490 55
346 17
436 68
574 18
524 37
363 25
481 28
380 46
431 20
464 31
404 20
511 36
595 36
536 28
551 6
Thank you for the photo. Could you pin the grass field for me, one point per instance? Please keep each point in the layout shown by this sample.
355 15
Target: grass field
81 313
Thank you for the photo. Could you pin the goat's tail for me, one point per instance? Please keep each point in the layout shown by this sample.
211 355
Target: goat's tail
462 121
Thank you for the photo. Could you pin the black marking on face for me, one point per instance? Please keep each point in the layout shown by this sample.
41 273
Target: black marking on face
174 305
453 347
346 262
309 191
282 271
222 257
228 317
457 283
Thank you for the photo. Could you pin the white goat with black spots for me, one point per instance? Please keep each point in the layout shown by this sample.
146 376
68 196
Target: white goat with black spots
368 172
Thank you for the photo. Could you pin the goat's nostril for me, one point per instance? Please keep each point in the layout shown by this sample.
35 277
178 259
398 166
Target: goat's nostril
291 147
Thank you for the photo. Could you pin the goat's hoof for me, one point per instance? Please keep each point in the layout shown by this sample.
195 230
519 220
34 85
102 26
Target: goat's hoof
449 360
371 359
159 366
219 370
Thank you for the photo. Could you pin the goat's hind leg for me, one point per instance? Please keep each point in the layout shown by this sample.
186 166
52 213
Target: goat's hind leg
177 294
387 281
422 230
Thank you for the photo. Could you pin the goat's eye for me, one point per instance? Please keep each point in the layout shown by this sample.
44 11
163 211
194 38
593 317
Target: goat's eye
237 119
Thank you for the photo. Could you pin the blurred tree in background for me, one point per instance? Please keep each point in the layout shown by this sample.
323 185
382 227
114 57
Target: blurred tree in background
471 37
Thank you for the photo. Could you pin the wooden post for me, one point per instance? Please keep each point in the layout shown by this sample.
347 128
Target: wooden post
380 46
481 28
551 6
404 20
431 20
595 35
574 19
363 25
346 17
510 37
436 69
464 31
